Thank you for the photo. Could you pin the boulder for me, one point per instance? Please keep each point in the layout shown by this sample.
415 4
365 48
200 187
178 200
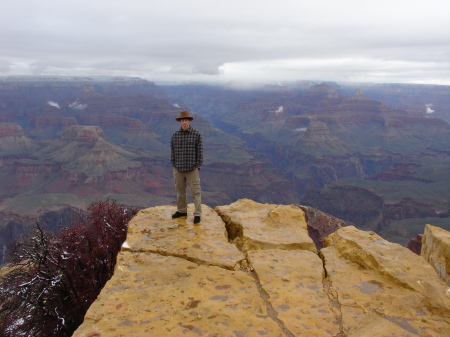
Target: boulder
321 224
384 289
266 226
436 250
415 244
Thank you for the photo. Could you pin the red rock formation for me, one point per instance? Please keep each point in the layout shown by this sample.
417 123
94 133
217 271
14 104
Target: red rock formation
248 169
40 122
319 97
13 141
74 177
424 121
10 129
321 224
122 175
360 104
349 118
319 140
8 161
400 172
111 121
295 121
415 245
31 169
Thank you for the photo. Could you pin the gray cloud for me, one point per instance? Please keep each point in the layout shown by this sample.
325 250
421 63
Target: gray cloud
248 40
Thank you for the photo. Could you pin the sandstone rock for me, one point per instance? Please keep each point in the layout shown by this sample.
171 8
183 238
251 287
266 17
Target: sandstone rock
383 289
174 278
436 250
266 226
154 295
154 230
293 280
167 283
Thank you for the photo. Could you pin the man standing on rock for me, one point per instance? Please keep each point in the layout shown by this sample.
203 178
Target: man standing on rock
186 156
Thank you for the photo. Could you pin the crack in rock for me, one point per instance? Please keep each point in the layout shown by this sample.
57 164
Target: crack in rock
333 297
235 235
273 314
334 305
190 259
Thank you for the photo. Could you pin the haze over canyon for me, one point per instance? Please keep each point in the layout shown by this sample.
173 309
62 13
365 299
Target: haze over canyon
374 155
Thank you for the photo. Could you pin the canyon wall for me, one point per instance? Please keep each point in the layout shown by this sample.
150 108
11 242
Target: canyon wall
364 154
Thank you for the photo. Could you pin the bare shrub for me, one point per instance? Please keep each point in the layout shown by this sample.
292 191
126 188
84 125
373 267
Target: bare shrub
57 277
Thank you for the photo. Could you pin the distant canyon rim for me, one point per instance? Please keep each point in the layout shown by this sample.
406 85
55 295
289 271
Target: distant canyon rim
373 155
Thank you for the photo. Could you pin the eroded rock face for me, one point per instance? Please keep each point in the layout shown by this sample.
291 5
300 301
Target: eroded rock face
436 250
384 289
265 226
321 224
13 140
415 244
263 277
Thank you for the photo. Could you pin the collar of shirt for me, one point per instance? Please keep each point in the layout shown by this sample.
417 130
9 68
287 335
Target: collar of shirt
189 129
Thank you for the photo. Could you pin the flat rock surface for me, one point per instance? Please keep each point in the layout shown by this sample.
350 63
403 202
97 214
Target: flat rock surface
293 281
154 295
154 230
267 226
174 278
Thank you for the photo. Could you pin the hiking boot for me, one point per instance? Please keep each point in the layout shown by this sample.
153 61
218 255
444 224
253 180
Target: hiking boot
178 215
196 219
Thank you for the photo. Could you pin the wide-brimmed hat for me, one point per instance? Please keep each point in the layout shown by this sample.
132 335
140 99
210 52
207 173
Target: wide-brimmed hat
183 115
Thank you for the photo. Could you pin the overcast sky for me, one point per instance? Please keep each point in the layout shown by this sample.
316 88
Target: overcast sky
229 40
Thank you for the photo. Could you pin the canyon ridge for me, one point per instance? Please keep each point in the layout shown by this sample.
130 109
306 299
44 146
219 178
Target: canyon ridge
376 156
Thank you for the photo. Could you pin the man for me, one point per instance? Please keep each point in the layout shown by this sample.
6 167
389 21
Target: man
186 156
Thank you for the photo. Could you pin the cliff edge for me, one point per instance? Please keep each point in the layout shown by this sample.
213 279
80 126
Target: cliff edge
251 269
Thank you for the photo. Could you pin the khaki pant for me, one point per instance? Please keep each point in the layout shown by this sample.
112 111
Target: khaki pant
191 179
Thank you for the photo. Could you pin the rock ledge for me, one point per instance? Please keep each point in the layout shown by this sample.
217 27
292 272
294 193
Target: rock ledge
250 269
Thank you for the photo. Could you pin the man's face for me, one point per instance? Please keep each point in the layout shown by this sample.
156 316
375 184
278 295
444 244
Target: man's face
184 123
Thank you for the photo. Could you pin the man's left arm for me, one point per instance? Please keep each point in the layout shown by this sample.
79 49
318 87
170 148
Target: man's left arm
172 151
199 150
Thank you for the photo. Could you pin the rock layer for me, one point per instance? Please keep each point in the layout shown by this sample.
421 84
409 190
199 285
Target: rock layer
436 250
13 140
383 288
265 226
247 275
155 231
321 224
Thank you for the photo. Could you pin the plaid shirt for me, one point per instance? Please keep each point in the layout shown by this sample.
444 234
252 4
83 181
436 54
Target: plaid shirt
186 150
